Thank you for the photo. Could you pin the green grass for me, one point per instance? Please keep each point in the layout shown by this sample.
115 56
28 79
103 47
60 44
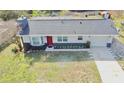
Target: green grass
64 67
58 56
121 63
117 22
13 67
94 17
121 39
47 67
67 72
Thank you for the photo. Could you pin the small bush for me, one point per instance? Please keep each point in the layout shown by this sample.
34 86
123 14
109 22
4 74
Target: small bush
8 14
63 12
36 13
15 50
87 44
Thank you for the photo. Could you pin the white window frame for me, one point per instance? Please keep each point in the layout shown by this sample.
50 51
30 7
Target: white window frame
40 40
62 38
58 38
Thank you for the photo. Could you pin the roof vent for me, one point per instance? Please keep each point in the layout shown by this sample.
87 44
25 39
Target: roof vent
74 32
80 22
62 22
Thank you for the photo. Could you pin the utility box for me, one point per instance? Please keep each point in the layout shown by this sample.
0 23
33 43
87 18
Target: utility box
108 45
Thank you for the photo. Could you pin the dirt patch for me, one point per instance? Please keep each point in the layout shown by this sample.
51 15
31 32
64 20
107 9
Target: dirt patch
7 30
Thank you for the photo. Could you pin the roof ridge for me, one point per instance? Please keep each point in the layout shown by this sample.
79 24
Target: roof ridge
64 19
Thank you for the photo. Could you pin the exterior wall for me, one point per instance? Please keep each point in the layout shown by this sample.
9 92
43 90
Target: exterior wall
72 39
100 40
27 39
95 40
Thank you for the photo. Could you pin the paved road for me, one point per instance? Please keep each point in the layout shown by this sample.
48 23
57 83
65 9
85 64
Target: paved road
110 71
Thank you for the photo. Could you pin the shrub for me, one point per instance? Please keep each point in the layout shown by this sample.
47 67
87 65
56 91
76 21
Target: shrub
87 44
15 50
8 14
36 13
63 12
12 14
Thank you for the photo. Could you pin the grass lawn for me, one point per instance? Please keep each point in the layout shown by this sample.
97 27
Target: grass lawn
117 22
121 37
121 63
47 67
67 72
14 67
64 67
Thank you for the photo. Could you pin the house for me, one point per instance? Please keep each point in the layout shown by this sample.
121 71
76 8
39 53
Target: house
65 33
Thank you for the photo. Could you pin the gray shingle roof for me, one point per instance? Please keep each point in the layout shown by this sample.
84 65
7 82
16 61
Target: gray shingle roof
72 27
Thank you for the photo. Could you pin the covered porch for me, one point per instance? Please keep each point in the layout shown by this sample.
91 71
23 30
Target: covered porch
58 47
68 47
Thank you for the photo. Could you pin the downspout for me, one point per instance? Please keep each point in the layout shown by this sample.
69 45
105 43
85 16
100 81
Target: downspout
21 43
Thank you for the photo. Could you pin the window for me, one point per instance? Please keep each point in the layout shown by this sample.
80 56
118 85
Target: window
59 39
62 39
35 41
80 38
65 39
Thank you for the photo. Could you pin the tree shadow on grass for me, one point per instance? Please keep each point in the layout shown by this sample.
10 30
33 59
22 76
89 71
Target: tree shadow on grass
58 56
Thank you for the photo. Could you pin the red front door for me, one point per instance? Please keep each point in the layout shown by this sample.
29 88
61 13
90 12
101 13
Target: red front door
49 40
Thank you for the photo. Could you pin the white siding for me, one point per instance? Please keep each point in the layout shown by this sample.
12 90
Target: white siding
26 39
72 39
100 40
95 40
42 41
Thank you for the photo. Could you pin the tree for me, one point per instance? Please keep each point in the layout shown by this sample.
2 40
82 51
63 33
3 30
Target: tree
63 12
12 14
36 13
8 14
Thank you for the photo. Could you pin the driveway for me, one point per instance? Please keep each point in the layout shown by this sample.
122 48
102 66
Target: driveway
109 69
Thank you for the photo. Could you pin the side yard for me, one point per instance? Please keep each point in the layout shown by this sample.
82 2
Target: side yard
121 63
47 67
7 31
119 23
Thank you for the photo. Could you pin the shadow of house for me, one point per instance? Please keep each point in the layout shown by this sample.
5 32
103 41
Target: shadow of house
59 56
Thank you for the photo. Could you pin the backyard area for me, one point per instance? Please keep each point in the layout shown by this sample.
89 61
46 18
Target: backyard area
47 67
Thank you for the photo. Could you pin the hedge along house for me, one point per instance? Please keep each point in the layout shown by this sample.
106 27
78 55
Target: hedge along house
65 33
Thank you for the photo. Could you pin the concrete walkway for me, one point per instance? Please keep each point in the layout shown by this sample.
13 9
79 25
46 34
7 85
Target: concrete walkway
110 71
